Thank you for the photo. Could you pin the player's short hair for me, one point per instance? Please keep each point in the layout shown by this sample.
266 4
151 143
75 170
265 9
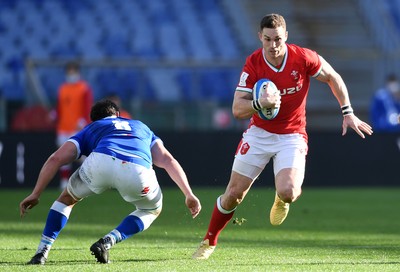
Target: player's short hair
391 78
272 20
102 109
72 66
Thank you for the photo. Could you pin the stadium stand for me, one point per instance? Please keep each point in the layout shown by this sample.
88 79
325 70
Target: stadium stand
206 31
158 30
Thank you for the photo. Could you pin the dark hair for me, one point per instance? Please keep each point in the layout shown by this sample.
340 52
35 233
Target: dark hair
272 20
391 78
102 109
72 66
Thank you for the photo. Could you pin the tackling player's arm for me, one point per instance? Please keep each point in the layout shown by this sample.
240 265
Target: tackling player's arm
162 158
339 89
67 153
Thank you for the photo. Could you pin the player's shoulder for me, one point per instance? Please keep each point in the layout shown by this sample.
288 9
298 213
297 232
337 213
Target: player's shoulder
135 123
255 55
299 51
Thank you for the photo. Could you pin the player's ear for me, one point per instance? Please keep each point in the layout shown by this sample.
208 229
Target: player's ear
117 113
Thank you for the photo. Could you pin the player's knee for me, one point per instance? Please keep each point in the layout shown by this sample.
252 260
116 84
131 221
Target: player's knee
289 194
157 211
233 198
147 217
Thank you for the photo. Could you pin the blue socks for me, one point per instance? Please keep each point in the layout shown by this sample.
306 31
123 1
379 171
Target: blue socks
56 220
130 226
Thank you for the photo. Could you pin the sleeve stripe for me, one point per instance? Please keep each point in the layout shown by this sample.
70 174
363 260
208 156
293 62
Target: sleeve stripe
246 90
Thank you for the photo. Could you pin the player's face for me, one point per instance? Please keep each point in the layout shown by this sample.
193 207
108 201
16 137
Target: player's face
273 41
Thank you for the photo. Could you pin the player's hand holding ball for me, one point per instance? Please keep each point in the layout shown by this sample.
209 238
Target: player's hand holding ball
268 99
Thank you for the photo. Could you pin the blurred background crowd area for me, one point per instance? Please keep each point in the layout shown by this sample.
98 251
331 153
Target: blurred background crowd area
175 63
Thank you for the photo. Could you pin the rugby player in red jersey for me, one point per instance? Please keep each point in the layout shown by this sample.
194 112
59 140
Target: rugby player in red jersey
283 139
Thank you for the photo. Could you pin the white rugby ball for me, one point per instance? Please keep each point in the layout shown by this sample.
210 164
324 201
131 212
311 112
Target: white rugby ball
262 86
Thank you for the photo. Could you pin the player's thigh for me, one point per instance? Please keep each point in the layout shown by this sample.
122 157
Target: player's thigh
151 203
255 150
242 177
291 153
289 165
289 181
135 182
238 185
78 188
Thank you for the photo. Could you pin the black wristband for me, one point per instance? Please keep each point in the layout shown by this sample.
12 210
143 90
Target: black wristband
256 105
347 109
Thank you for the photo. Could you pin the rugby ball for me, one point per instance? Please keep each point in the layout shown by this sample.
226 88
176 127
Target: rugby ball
262 86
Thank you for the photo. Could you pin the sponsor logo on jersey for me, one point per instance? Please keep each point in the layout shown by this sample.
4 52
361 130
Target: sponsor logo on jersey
291 90
243 78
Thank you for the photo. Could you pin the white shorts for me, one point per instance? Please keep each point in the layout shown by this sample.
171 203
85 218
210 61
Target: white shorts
258 146
100 172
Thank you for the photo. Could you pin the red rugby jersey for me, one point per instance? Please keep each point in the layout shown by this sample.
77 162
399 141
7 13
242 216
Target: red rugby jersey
292 79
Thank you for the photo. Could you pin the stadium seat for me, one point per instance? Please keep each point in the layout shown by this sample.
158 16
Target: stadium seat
94 30
116 46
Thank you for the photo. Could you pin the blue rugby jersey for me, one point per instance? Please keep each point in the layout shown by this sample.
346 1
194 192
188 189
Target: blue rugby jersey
125 139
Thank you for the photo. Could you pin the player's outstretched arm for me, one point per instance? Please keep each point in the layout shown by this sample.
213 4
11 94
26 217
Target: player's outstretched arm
162 158
339 89
67 153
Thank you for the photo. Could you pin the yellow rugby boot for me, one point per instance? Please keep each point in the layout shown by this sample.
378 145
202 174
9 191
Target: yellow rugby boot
204 251
279 211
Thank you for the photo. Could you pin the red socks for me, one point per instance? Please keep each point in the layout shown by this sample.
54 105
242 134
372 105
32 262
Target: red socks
217 223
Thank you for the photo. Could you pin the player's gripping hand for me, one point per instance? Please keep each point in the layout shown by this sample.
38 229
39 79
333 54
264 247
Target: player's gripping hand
193 203
270 100
28 203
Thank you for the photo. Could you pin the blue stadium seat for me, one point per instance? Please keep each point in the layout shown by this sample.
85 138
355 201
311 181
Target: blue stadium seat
117 46
10 4
170 43
51 79
145 30
217 84
13 90
187 79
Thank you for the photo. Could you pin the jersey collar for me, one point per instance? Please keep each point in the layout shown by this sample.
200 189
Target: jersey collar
275 69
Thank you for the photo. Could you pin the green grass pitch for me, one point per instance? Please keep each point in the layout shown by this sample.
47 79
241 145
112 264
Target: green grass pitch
329 229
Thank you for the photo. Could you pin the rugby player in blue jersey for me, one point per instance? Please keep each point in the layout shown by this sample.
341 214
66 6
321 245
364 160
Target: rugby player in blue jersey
120 154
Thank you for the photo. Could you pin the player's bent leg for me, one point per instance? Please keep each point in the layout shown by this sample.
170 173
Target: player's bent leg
135 222
223 212
57 218
147 211
288 183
